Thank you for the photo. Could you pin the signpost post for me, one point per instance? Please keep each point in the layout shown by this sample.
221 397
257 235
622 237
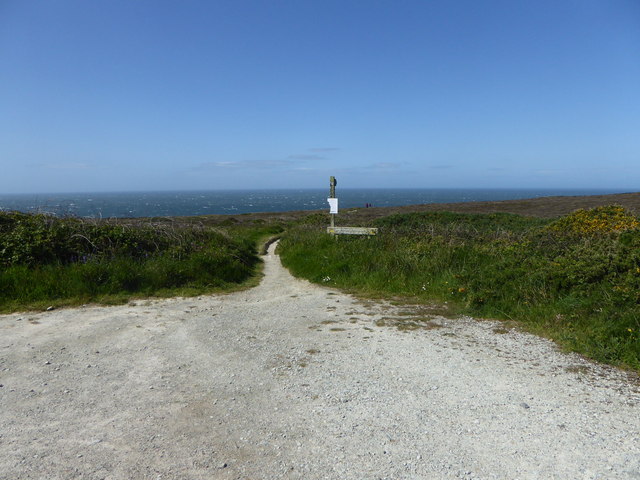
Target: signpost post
333 210
333 201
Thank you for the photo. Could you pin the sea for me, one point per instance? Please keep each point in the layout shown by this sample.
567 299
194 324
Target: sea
191 203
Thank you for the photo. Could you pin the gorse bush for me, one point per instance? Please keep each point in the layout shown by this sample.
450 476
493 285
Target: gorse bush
575 279
596 221
69 260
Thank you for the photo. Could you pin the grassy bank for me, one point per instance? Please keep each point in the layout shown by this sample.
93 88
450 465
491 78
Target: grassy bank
47 261
575 279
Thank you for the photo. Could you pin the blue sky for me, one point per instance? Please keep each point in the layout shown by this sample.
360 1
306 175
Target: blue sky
163 95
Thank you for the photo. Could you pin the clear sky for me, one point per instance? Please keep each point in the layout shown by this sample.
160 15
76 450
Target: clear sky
124 95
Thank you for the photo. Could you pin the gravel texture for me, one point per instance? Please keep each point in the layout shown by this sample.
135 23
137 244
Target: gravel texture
292 380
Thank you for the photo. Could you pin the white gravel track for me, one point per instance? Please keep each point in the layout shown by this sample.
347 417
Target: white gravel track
294 381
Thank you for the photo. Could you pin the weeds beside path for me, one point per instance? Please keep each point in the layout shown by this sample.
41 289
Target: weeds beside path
47 261
575 279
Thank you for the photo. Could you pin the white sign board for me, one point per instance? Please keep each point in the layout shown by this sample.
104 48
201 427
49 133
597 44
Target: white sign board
333 205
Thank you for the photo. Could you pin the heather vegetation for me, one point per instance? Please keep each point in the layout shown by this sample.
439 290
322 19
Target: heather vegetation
575 279
48 261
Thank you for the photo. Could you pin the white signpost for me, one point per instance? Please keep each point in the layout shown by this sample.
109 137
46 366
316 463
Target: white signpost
333 210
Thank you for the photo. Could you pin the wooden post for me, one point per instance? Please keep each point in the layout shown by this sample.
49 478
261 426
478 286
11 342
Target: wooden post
332 194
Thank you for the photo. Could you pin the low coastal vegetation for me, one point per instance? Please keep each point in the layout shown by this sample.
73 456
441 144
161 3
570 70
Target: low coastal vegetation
575 279
48 261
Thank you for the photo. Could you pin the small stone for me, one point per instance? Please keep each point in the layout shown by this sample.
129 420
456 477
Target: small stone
47 362
524 405
223 465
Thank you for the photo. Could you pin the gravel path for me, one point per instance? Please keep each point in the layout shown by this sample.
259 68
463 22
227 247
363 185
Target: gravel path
295 381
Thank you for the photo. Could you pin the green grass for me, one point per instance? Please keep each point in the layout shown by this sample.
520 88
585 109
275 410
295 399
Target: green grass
579 286
47 261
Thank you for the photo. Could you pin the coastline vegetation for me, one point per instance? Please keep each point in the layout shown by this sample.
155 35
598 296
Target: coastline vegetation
48 261
574 279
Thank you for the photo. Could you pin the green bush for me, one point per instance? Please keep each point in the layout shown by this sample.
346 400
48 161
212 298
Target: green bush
48 259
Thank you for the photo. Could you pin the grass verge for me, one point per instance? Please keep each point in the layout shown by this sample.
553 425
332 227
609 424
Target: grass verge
575 279
47 261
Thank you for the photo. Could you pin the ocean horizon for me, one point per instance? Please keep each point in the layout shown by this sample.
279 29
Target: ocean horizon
193 203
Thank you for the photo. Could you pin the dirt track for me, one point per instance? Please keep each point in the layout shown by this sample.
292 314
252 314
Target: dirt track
290 380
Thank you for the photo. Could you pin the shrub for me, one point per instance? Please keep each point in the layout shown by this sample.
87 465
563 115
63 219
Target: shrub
596 221
44 258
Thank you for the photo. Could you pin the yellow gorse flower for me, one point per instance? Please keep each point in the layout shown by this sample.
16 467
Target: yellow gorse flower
599 220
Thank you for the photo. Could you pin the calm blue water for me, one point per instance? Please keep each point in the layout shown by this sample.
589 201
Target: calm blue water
153 204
